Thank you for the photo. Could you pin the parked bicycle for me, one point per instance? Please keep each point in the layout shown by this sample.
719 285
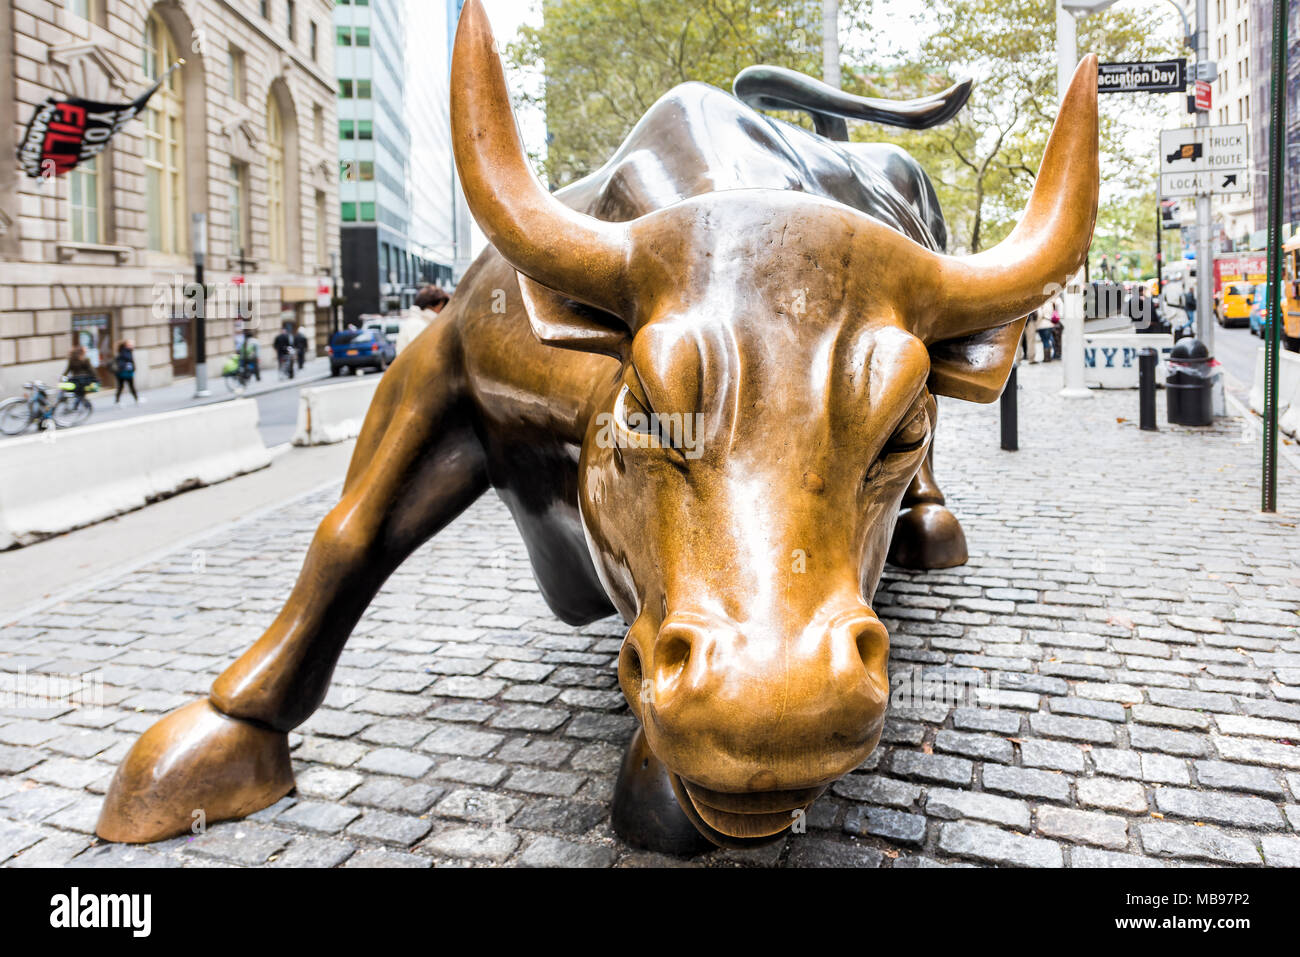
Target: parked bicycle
37 407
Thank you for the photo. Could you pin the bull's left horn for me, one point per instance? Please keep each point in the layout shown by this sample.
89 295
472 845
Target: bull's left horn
1048 245
580 256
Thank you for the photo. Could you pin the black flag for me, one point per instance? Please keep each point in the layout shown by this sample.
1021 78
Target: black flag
65 132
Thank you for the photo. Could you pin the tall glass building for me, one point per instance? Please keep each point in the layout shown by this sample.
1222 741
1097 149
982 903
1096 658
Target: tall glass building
384 264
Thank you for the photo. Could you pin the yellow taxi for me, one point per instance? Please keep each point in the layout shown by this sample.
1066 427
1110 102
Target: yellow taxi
1234 304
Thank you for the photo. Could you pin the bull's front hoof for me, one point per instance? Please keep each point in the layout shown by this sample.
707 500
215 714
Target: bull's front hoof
195 765
928 536
645 812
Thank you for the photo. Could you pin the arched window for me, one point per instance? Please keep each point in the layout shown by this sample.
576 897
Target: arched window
275 198
164 144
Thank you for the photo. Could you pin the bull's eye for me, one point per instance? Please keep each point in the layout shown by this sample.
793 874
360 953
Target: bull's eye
910 435
643 428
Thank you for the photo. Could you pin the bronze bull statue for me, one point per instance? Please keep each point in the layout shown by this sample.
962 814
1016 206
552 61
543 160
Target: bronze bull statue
702 379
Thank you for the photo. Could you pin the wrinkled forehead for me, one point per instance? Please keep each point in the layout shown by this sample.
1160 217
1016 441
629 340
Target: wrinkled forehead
846 373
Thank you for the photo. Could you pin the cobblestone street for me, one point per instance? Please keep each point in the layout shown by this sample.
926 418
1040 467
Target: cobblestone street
1127 624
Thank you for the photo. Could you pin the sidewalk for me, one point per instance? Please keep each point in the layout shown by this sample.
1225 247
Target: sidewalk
180 394
1128 615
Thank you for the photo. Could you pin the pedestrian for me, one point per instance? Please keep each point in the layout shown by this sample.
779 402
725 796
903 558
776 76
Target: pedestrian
283 345
79 371
300 346
124 369
1057 328
429 301
249 358
1044 329
1189 307
1027 336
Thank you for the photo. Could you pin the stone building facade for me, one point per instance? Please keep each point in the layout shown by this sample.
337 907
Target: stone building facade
244 133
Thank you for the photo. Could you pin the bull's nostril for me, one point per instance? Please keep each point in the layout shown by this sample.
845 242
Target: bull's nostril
672 653
872 641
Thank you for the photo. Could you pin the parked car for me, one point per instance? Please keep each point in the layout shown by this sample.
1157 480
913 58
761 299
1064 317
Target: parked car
1234 304
1259 311
390 326
355 349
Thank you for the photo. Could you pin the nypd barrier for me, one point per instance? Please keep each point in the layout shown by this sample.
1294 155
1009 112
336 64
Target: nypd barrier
54 482
333 413
1110 359
1288 390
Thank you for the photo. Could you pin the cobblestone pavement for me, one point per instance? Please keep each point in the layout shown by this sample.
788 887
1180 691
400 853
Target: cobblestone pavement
1126 629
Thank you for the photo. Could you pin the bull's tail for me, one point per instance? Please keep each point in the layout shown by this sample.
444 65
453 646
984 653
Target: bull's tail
776 88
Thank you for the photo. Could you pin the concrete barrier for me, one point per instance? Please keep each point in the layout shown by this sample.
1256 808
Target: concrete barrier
1288 389
53 482
333 413
1110 359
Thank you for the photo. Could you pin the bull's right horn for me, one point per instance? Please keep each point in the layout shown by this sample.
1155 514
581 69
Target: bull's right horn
580 256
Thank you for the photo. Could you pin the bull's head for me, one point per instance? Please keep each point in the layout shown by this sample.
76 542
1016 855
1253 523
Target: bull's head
740 479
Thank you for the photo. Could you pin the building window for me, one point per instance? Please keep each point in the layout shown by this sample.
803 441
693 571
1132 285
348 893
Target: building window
318 123
365 129
345 89
363 36
164 160
367 212
235 62
275 198
264 9
312 38
291 20
346 129
84 202
344 36
240 241
349 212
81 8
363 89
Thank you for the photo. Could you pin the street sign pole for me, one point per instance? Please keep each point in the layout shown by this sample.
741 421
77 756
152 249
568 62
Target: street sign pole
1204 247
1273 278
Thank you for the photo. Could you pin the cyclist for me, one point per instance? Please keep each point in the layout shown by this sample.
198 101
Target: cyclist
80 372
248 359
284 350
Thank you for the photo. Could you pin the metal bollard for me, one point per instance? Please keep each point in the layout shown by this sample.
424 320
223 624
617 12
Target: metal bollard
1147 390
1007 405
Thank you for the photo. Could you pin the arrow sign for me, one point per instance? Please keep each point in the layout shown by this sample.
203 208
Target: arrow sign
1229 180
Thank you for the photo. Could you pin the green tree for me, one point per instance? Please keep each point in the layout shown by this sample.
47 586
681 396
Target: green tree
607 61
984 161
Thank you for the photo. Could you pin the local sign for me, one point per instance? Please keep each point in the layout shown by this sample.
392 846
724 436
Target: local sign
1160 76
1204 159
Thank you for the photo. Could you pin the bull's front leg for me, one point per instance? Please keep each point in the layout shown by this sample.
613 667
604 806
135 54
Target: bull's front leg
927 535
416 466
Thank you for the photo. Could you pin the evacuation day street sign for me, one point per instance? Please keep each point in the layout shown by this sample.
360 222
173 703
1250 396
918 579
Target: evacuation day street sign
1158 76
1204 159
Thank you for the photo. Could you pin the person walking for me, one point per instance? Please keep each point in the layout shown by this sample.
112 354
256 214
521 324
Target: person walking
300 346
1044 327
1189 306
1027 336
429 301
283 351
124 369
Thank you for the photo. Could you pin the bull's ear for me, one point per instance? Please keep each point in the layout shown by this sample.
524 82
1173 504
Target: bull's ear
975 368
560 321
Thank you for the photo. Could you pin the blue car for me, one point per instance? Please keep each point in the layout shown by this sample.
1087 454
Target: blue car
1259 311
355 349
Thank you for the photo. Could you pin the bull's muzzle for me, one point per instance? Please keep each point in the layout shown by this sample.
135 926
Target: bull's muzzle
756 722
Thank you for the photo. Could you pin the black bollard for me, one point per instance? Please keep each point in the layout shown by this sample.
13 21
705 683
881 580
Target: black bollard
1010 427
1147 390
